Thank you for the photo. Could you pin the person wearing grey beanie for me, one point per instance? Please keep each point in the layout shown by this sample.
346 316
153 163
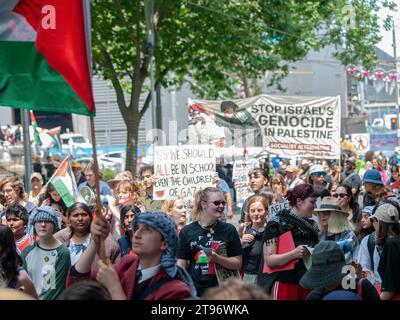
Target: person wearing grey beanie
47 260
152 274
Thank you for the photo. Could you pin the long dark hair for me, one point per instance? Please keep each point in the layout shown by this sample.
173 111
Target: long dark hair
355 207
9 258
84 207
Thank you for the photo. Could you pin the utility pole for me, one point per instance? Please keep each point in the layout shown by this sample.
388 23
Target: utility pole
27 147
396 88
149 12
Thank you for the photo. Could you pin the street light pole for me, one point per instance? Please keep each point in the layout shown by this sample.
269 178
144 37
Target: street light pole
149 11
396 88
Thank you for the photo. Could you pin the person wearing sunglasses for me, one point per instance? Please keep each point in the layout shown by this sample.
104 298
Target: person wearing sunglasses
199 240
348 203
334 225
317 178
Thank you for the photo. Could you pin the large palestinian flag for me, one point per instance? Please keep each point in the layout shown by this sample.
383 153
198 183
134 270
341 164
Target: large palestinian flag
44 55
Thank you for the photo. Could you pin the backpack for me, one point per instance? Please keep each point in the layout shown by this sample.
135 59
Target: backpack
371 247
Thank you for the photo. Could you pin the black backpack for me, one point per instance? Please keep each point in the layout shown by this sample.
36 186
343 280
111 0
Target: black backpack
371 247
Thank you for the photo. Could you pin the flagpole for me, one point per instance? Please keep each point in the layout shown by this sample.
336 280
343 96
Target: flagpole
99 211
27 147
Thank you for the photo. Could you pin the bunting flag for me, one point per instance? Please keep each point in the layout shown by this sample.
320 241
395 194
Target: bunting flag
45 55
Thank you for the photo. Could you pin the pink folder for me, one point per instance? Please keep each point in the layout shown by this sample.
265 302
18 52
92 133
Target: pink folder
284 245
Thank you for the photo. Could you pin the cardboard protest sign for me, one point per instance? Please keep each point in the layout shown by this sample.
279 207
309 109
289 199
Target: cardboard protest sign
221 272
240 179
286 126
275 208
181 171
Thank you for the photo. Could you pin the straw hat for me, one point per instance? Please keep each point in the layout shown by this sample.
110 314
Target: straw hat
118 178
330 204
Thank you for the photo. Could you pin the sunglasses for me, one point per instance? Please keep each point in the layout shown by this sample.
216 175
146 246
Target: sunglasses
319 174
340 195
217 203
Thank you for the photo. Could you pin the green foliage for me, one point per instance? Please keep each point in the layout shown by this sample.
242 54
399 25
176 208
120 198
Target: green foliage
215 44
108 174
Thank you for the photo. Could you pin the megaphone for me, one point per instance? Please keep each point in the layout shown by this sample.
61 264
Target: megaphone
87 196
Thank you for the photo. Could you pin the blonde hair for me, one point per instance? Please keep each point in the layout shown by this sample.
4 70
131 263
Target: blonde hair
169 204
235 289
199 197
337 223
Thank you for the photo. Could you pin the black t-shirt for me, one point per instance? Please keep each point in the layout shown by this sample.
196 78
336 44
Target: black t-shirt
193 237
368 291
301 234
253 251
389 266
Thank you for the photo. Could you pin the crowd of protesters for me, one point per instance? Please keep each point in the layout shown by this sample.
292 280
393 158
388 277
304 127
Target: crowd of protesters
338 237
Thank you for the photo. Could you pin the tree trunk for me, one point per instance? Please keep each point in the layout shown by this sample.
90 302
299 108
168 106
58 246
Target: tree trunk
132 126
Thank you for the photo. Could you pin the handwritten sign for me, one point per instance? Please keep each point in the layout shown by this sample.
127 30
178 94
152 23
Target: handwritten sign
240 179
181 171
275 208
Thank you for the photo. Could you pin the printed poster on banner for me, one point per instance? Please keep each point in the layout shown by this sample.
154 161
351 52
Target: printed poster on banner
361 141
285 126
241 181
181 171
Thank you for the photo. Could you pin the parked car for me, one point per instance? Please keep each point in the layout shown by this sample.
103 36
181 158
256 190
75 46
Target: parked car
71 141
118 157
103 163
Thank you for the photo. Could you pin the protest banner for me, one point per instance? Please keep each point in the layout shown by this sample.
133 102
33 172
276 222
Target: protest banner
240 179
283 125
181 171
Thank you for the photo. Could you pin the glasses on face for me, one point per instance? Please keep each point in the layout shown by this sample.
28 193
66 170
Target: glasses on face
218 202
319 174
340 195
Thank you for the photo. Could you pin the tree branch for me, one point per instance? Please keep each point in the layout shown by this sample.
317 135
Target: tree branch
115 81
126 24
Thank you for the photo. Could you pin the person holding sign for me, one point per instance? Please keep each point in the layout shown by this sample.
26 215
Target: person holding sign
251 235
199 241
292 229
146 174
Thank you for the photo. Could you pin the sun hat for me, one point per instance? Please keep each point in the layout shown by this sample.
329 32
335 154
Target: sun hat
372 176
36 175
327 262
76 165
386 212
330 204
316 168
118 178
291 168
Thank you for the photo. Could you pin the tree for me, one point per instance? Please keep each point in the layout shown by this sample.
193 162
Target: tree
215 44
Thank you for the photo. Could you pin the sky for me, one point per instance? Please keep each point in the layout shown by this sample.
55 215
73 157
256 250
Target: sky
386 42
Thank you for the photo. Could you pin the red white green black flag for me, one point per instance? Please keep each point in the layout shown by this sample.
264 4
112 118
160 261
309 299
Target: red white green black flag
45 55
